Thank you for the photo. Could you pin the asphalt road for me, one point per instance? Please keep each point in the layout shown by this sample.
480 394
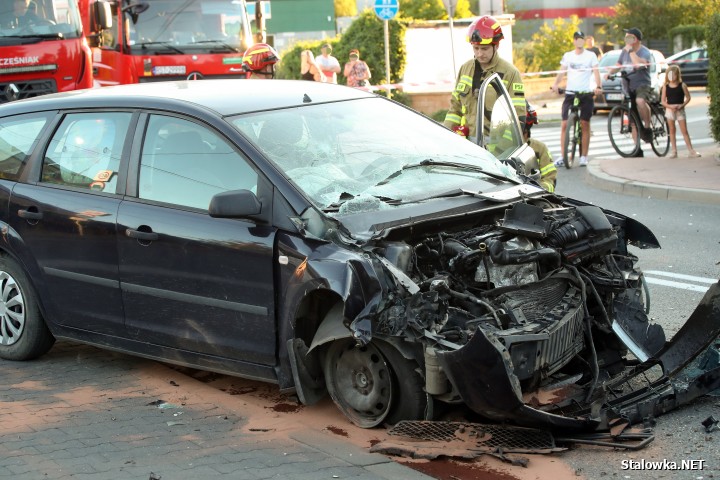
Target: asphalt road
678 274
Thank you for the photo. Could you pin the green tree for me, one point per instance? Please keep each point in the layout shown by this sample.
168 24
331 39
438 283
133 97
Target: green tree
656 17
432 9
712 36
345 8
552 41
366 34
525 58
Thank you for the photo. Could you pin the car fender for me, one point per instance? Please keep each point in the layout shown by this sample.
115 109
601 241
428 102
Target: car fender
316 267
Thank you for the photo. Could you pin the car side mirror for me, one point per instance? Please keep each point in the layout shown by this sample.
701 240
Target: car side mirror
235 204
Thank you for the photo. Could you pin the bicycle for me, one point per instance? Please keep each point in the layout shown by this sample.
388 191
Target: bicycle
573 129
624 131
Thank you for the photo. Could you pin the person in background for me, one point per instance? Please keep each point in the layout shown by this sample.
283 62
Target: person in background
548 172
356 71
309 69
590 46
635 59
259 61
484 34
18 13
581 66
328 64
674 96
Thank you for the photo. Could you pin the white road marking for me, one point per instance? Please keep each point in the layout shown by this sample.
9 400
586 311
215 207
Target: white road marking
682 286
681 276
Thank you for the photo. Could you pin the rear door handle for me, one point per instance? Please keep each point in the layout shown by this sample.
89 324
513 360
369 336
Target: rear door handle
144 236
28 215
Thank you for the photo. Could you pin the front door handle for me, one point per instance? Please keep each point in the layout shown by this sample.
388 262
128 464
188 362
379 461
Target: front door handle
30 215
144 236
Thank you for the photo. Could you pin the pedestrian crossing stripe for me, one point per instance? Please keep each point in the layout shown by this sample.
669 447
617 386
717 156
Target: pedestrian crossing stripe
600 145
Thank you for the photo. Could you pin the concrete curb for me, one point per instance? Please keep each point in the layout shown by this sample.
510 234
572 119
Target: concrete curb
596 177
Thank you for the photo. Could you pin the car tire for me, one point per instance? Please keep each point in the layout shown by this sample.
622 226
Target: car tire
23 332
373 384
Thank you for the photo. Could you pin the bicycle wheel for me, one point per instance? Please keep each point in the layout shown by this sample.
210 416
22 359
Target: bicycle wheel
621 122
570 145
658 124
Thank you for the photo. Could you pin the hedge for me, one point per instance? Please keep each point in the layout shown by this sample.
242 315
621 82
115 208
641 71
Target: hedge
712 37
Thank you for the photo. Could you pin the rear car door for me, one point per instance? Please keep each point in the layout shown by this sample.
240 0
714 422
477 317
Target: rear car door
190 281
65 220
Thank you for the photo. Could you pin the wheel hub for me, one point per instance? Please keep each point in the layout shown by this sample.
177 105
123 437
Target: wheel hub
360 382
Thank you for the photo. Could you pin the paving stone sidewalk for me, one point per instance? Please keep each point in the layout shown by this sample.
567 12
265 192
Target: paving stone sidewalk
83 413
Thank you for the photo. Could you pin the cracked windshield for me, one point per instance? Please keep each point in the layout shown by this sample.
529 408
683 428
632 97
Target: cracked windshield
369 154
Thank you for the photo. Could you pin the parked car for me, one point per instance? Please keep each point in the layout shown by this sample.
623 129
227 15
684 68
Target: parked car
329 240
694 64
612 89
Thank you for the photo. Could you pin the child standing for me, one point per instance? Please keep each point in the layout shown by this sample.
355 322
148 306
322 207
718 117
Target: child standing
675 96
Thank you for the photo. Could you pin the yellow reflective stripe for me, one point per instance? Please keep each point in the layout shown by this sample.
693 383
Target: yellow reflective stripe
518 87
547 169
466 79
496 25
455 95
518 102
451 117
508 135
549 186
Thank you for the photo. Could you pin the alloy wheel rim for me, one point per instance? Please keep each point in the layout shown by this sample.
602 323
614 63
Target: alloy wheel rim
12 310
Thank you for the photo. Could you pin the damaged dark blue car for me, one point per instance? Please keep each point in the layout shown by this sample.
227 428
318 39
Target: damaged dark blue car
332 241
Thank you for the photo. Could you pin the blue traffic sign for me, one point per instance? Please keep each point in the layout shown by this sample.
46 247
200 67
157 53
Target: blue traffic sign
386 9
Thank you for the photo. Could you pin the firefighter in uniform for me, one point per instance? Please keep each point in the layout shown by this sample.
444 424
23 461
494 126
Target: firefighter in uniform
484 35
259 61
548 172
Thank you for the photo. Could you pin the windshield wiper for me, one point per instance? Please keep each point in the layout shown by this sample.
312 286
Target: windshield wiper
218 42
429 162
162 44
37 35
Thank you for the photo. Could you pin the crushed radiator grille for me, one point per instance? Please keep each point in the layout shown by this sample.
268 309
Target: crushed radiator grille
493 437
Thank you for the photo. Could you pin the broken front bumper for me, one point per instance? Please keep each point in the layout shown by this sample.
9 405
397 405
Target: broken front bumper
483 374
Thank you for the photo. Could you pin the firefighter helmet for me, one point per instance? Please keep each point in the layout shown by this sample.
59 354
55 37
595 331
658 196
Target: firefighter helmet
258 57
485 31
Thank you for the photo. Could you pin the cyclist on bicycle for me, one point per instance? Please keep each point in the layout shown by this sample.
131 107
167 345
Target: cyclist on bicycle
580 65
635 60
484 34
548 172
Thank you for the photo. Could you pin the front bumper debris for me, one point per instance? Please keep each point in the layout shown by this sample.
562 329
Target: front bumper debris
685 368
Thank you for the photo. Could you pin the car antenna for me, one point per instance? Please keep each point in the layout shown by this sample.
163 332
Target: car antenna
306 98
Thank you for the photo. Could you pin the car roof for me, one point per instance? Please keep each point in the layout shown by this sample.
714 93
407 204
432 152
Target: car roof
684 52
224 96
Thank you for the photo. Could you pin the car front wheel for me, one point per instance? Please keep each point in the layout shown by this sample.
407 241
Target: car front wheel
23 333
372 385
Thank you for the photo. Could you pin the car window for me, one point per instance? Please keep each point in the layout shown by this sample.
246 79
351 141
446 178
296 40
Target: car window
17 136
610 59
86 149
185 164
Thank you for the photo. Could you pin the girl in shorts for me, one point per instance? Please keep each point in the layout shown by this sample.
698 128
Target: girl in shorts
675 96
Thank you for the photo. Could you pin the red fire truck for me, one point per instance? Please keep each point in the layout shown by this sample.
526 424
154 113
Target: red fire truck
156 40
42 48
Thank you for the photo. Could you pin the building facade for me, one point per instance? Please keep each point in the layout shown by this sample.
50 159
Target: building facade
530 15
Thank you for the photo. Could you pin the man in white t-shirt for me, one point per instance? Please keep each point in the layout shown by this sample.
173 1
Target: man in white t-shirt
581 66
329 65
